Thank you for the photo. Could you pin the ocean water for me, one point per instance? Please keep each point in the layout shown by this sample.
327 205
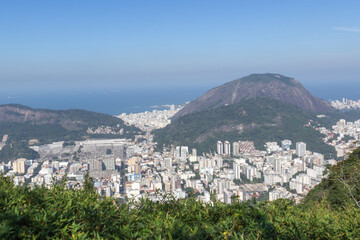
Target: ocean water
134 100
335 91
105 101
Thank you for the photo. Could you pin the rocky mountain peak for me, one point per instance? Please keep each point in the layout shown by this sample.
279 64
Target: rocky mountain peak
268 85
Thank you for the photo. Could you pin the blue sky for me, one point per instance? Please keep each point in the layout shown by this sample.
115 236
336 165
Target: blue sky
113 44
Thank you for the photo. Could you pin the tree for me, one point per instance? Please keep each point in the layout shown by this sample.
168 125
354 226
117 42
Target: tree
342 185
189 190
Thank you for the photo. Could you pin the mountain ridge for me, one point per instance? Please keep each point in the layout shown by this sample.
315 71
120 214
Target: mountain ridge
269 85
71 119
24 123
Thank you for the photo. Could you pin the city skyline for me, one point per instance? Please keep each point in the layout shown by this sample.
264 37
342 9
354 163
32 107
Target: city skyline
90 45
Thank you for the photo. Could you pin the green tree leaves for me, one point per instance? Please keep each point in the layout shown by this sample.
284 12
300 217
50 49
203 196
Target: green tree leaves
62 213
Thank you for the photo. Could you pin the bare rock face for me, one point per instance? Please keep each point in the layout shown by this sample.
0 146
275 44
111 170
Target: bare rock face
267 85
22 114
18 113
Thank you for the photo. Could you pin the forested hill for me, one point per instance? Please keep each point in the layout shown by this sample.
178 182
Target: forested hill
258 119
72 119
22 124
341 186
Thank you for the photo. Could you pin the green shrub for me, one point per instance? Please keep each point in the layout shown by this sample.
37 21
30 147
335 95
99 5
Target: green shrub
61 213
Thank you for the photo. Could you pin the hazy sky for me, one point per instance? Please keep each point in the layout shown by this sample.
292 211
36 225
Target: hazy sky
108 44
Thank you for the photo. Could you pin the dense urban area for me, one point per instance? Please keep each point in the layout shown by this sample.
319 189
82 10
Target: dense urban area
345 104
132 169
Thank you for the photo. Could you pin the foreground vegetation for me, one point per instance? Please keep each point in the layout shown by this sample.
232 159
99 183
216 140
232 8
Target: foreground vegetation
69 214
61 213
342 184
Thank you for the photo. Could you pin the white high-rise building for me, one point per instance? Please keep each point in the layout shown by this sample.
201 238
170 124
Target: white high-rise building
177 152
237 171
19 165
168 163
219 162
108 191
209 163
202 163
206 196
221 186
300 149
227 149
249 173
194 152
193 157
277 165
236 149
228 196
342 122
220 148
184 151
303 165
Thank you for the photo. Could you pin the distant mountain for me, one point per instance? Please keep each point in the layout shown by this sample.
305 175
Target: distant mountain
273 86
24 123
256 119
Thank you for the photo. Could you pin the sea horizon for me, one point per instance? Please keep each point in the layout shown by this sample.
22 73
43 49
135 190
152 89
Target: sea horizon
135 100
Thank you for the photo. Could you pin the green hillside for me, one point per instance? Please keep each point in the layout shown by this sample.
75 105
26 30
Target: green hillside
259 120
333 117
22 123
62 213
342 185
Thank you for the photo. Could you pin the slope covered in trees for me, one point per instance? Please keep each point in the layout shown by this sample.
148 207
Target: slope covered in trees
22 124
17 150
258 119
342 185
